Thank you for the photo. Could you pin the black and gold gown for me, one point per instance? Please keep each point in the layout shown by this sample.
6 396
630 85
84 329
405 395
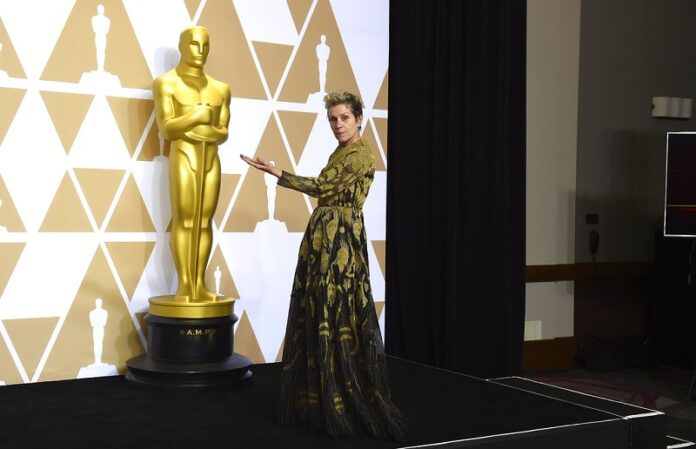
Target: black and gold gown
334 377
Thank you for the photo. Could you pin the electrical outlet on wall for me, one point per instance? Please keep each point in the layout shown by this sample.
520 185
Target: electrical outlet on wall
532 330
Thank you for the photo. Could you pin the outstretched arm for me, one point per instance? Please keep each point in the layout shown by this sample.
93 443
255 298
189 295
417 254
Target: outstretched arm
333 179
262 165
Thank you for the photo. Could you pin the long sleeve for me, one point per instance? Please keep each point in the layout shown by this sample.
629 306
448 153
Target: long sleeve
334 178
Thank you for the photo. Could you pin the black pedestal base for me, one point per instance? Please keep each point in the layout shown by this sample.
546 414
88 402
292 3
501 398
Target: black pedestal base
146 371
189 352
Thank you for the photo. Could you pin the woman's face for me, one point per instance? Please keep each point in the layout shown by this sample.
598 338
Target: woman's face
344 124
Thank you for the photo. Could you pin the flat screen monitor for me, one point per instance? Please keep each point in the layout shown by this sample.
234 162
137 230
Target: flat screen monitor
680 185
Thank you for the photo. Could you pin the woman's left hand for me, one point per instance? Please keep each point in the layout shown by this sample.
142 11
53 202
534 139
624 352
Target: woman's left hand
262 165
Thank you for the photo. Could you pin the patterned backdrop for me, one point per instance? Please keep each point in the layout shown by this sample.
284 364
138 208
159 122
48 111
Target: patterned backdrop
84 211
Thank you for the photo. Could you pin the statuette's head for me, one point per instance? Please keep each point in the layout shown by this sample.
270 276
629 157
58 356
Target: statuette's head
194 46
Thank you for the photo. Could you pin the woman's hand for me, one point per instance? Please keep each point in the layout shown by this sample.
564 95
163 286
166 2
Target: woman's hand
262 165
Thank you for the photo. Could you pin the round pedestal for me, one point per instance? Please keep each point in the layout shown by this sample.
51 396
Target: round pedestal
189 352
175 307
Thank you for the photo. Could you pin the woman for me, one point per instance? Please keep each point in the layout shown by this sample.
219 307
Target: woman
334 376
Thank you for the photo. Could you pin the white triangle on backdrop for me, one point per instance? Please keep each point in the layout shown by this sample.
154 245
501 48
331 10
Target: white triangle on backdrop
32 161
152 179
48 275
159 276
376 278
248 119
374 211
34 27
263 266
320 144
364 27
382 323
99 143
159 39
262 26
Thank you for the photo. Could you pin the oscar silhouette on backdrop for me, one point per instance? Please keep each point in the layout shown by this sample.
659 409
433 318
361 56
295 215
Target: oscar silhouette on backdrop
100 78
100 25
323 51
270 225
97 319
271 183
218 278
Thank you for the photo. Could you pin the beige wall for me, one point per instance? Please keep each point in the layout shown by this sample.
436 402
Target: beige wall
553 41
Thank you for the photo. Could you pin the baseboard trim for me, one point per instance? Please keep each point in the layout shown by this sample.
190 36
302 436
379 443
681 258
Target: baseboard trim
586 271
549 355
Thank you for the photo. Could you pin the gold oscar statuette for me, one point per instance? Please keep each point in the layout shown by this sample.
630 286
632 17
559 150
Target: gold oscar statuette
192 111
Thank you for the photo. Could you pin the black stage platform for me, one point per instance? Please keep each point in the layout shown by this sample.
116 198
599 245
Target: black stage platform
446 410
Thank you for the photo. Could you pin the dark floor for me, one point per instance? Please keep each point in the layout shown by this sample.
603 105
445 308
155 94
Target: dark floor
441 406
662 388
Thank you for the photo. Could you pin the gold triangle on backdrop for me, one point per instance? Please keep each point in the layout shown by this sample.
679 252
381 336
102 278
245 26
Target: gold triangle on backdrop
380 251
230 58
279 357
192 7
130 214
303 77
30 337
8 370
75 53
297 127
9 217
227 286
228 183
379 307
99 187
299 10
251 205
130 259
66 213
382 100
9 62
369 137
73 348
272 58
245 341
131 115
10 100
151 147
10 255
381 125
67 112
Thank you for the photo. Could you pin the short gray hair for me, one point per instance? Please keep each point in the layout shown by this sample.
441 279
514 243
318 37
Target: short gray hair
342 97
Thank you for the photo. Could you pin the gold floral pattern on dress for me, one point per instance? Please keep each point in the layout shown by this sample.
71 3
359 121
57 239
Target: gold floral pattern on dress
334 376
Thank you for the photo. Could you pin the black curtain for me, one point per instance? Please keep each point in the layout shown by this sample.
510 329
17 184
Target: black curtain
456 184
